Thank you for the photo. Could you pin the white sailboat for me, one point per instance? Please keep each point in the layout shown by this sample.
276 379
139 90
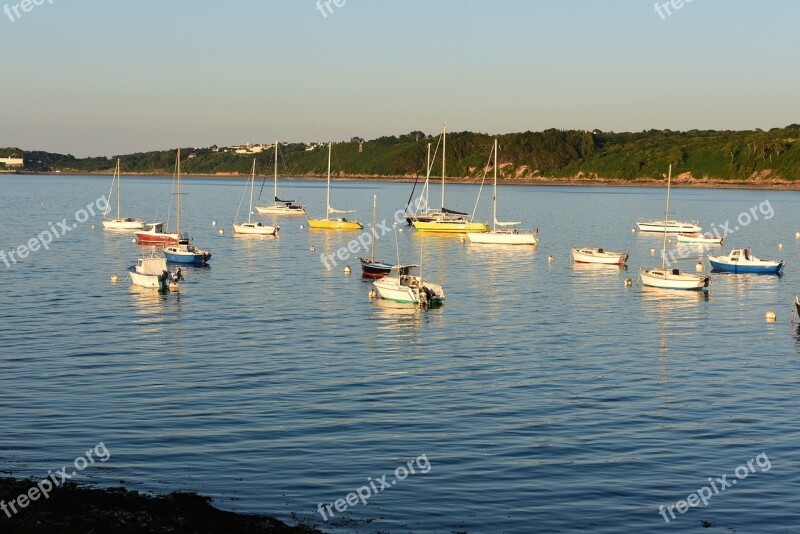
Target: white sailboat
250 227
671 278
599 255
280 207
505 235
337 223
120 222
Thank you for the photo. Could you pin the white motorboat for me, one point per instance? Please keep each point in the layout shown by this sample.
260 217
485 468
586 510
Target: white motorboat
252 227
404 284
599 255
120 222
670 226
700 239
671 278
505 235
151 272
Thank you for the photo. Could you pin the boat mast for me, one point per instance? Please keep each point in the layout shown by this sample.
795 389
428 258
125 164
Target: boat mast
328 197
118 188
276 171
444 159
252 186
427 181
178 216
666 217
374 222
494 194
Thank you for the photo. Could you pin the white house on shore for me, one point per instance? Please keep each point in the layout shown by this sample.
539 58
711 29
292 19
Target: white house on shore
12 162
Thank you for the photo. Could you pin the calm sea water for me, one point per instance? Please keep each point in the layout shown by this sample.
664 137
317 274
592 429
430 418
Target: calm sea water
547 397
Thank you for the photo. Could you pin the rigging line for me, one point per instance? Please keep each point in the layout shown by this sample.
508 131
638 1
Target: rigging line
485 172
289 173
427 175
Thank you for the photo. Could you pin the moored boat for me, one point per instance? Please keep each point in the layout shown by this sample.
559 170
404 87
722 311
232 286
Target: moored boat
740 260
120 222
335 223
252 227
280 207
700 239
369 267
187 253
151 272
599 255
156 234
671 278
405 285
669 226
505 234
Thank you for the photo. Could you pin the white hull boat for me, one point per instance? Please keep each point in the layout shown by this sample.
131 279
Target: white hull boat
700 239
404 285
673 279
598 255
151 273
252 227
505 235
668 278
281 208
120 223
671 227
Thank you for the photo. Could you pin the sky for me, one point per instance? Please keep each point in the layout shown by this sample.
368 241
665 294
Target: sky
92 77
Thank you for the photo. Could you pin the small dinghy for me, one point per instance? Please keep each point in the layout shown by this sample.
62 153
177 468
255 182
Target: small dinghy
700 239
740 260
598 255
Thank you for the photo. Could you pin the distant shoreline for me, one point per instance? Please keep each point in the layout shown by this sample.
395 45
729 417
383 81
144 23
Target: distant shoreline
690 183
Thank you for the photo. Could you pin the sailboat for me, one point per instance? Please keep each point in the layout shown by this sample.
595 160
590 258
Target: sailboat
404 284
445 220
426 214
671 278
369 267
156 233
280 207
250 227
184 251
120 223
503 236
339 223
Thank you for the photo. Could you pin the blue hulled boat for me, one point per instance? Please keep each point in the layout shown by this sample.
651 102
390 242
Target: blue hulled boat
741 261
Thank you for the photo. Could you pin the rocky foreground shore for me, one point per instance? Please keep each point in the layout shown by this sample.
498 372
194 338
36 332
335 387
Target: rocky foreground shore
73 508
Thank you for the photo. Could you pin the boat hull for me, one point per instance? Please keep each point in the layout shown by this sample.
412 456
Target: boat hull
147 238
450 227
404 294
332 224
502 238
770 267
670 279
672 227
123 224
699 239
599 256
377 269
149 281
255 230
277 210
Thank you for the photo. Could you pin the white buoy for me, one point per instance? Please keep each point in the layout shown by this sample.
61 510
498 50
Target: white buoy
312 248
302 226
628 282
93 227
771 316
42 204
399 229
372 293
550 259
652 252
347 270
699 266
114 278
133 240
797 235
221 231
633 230
780 246
213 223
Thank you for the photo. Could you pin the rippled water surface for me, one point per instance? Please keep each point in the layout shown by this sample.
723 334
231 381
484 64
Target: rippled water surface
547 397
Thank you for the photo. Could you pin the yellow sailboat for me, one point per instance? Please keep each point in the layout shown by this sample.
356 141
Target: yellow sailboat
447 221
336 223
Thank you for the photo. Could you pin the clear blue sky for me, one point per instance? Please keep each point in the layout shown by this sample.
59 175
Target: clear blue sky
106 77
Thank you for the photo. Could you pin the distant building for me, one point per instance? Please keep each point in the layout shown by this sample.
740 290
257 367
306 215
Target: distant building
12 162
